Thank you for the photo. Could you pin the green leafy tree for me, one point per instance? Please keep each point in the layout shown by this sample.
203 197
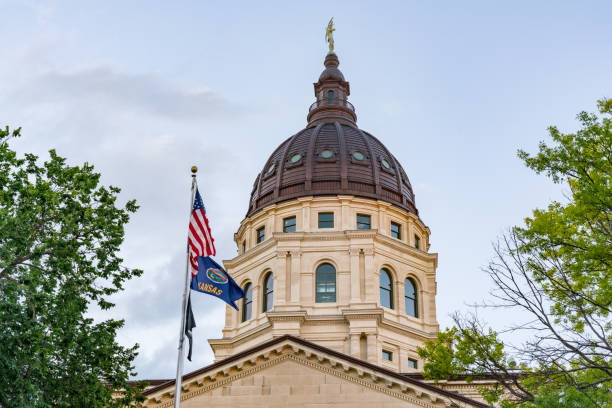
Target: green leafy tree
60 233
557 268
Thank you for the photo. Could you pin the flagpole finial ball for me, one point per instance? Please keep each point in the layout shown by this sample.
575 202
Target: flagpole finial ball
194 169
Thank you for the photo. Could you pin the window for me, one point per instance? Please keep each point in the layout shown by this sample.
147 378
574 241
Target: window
396 230
358 156
326 220
268 295
330 96
289 224
417 242
386 289
296 158
412 363
244 246
327 154
387 355
247 302
270 169
326 283
386 164
364 222
261 234
410 298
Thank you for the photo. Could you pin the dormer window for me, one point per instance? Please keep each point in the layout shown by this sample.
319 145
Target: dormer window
330 97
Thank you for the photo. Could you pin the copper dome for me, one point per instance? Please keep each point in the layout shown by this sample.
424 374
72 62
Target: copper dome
332 156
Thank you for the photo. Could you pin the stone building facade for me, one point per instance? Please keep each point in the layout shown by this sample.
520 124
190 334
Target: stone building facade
340 284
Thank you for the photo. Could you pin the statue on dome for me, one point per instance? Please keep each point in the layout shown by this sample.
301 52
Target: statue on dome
329 35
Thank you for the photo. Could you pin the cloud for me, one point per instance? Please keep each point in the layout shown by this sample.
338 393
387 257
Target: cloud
142 132
106 89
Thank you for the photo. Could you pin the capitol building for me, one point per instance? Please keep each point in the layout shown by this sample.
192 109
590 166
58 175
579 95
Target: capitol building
339 281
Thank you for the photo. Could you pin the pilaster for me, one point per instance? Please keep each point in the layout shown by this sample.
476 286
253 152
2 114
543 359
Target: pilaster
372 348
355 275
280 278
371 277
296 260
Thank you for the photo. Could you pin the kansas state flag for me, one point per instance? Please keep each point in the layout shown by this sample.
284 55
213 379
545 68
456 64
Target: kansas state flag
213 280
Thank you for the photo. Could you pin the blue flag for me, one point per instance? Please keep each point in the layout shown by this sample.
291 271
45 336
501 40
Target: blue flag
213 280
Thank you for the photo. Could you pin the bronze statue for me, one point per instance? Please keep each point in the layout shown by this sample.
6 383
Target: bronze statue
329 35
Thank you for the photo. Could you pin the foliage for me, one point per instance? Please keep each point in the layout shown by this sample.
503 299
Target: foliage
60 233
557 268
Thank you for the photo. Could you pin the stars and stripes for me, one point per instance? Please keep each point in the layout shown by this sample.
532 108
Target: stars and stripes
201 242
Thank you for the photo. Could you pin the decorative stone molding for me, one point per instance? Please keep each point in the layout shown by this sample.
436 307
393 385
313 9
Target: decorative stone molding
287 316
251 253
348 369
363 314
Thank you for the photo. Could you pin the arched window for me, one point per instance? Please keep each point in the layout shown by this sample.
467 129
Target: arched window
268 295
386 289
330 97
247 302
326 283
410 298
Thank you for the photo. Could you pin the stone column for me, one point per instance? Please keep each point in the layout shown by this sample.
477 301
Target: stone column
280 278
256 305
355 352
403 361
371 277
398 294
383 228
296 257
345 217
410 237
355 275
372 348
306 217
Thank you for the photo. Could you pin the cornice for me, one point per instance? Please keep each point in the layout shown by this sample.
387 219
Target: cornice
240 338
403 247
298 315
402 329
363 314
250 254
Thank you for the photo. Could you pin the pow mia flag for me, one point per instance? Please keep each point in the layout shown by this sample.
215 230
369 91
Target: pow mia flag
189 325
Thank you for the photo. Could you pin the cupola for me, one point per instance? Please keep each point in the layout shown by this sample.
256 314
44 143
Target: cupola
332 93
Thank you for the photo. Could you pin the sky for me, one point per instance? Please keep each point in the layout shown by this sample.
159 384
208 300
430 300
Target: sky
145 89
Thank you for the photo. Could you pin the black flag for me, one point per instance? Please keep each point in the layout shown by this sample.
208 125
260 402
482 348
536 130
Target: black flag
189 325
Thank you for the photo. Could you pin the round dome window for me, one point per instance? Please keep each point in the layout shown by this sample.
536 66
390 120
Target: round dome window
296 158
358 156
326 154
270 169
385 163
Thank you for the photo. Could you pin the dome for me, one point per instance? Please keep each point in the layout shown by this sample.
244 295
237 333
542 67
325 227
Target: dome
332 156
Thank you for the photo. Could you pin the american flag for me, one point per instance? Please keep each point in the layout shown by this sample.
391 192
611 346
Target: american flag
201 242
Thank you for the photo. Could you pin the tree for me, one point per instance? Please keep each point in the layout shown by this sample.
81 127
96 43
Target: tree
60 233
557 268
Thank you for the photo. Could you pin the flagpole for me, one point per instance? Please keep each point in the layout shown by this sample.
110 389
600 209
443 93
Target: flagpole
179 364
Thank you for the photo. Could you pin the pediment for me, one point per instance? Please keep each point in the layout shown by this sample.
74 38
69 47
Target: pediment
293 372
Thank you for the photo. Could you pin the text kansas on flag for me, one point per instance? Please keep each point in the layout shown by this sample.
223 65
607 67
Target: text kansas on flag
206 275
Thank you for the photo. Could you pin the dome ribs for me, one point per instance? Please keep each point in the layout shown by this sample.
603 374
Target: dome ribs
375 171
340 173
310 157
343 158
281 164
